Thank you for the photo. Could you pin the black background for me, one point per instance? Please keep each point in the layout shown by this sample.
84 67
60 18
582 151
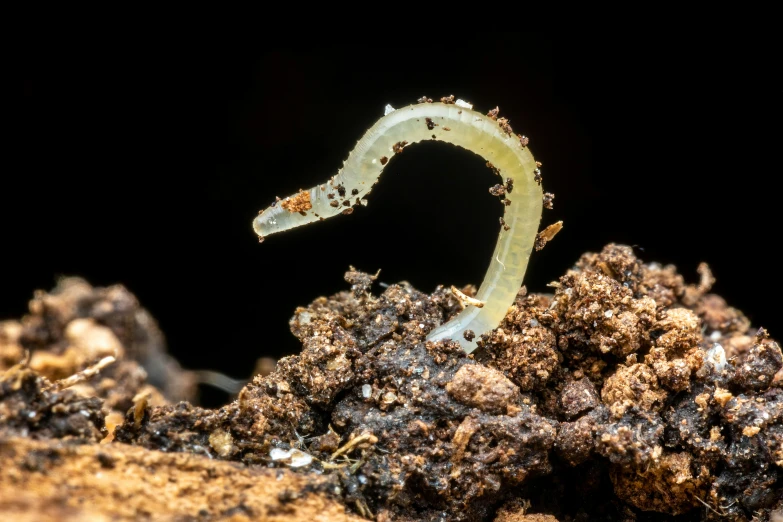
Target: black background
145 164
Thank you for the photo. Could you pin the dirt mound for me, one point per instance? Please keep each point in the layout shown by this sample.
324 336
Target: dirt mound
624 395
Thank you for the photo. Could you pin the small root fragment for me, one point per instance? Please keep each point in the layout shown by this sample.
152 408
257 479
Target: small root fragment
707 279
548 234
330 465
364 510
140 402
351 444
466 300
85 374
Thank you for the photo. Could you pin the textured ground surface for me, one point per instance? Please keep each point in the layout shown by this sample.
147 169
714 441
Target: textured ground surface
59 481
624 395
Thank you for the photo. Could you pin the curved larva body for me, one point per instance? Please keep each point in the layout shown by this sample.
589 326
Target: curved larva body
461 127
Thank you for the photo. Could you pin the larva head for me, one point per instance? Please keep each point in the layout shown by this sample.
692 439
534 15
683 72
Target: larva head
268 222
285 214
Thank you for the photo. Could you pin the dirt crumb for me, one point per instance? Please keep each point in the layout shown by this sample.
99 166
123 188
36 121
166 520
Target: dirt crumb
300 202
484 388
578 397
546 235
667 486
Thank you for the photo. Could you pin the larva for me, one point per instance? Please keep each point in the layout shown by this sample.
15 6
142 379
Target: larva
456 123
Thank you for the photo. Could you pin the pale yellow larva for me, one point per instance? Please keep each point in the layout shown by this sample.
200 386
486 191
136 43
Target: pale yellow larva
455 123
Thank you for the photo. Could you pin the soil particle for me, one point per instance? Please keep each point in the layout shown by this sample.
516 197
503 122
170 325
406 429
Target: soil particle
484 388
634 386
546 235
498 190
717 316
505 126
666 486
759 364
574 442
300 202
631 441
494 169
360 282
675 350
578 397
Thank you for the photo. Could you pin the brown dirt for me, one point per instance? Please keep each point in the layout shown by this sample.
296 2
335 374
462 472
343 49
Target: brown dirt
299 202
53 480
626 395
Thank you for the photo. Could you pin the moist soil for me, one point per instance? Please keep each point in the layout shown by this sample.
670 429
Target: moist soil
624 395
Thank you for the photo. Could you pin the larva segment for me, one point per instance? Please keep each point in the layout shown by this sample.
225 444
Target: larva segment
470 130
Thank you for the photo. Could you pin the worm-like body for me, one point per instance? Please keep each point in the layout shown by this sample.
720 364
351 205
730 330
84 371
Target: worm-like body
459 125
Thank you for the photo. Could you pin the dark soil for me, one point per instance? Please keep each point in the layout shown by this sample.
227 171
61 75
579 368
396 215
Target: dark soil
626 395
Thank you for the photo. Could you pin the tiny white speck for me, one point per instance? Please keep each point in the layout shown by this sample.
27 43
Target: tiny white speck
388 109
294 457
714 336
300 458
463 104
374 160
717 356
279 454
608 314
366 391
